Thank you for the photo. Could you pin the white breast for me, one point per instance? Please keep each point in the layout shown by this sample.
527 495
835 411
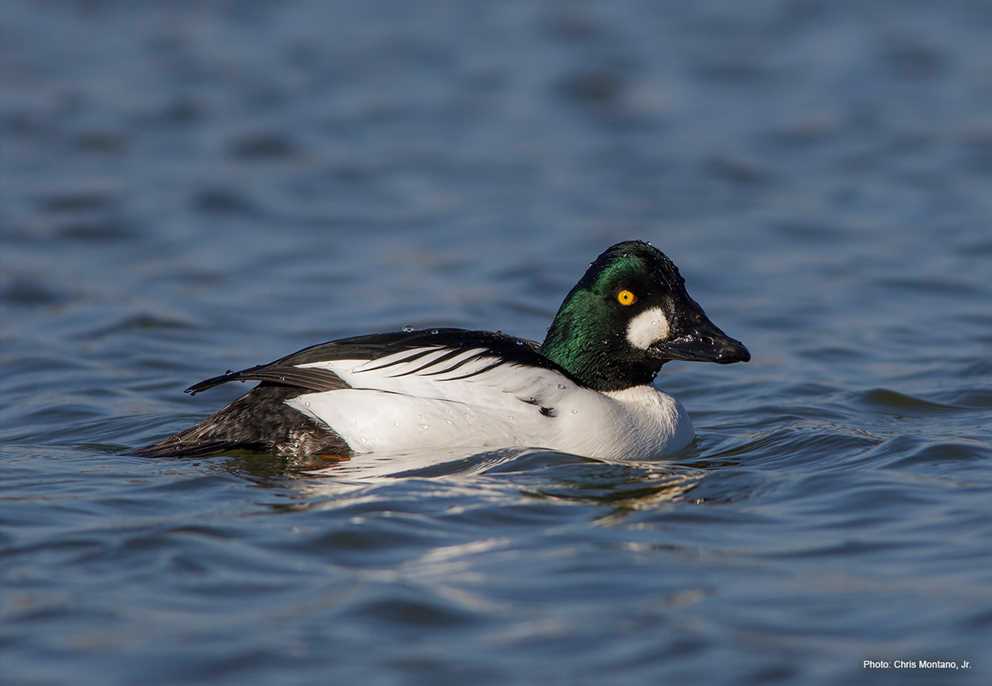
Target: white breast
638 422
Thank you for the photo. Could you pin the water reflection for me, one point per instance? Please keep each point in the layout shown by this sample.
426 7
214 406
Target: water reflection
516 475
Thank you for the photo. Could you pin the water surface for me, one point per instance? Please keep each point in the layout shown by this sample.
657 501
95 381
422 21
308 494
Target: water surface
194 187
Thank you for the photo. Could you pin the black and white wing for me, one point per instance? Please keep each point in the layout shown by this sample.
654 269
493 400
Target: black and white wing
366 361
438 387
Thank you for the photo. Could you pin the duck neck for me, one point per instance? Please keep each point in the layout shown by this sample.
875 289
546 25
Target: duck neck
598 360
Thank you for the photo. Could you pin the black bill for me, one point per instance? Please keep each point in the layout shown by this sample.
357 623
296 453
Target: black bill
703 342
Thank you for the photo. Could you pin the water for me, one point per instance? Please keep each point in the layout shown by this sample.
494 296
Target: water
193 187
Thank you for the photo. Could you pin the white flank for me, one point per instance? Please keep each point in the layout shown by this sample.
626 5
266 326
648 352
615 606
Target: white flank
648 327
416 405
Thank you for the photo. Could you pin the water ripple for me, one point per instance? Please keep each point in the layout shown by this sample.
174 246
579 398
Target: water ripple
191 187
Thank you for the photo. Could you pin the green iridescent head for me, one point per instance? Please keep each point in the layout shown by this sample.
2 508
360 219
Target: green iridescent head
628 315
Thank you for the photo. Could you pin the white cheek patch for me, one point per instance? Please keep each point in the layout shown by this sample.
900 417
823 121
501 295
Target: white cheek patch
648 327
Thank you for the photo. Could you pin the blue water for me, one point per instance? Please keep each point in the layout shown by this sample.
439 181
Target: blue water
192 187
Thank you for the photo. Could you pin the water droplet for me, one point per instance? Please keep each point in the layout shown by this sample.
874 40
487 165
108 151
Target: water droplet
575 411
424 427
306 403
518 342
407 329
561 387
434 331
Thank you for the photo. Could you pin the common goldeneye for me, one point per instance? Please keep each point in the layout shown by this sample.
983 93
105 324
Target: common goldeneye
586 390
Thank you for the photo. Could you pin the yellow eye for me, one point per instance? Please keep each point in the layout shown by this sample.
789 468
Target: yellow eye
626 297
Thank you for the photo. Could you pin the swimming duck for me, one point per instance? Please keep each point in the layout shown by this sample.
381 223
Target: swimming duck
585 390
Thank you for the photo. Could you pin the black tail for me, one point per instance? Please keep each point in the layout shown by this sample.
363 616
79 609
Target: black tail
258 421
175 447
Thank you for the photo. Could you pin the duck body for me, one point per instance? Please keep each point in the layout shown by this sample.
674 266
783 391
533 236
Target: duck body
460 390
586 390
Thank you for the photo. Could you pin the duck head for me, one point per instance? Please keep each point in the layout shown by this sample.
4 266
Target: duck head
628 315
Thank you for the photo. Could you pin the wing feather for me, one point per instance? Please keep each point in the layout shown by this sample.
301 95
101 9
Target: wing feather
432 364
304 378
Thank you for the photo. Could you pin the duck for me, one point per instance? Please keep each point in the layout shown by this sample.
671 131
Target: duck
587 389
